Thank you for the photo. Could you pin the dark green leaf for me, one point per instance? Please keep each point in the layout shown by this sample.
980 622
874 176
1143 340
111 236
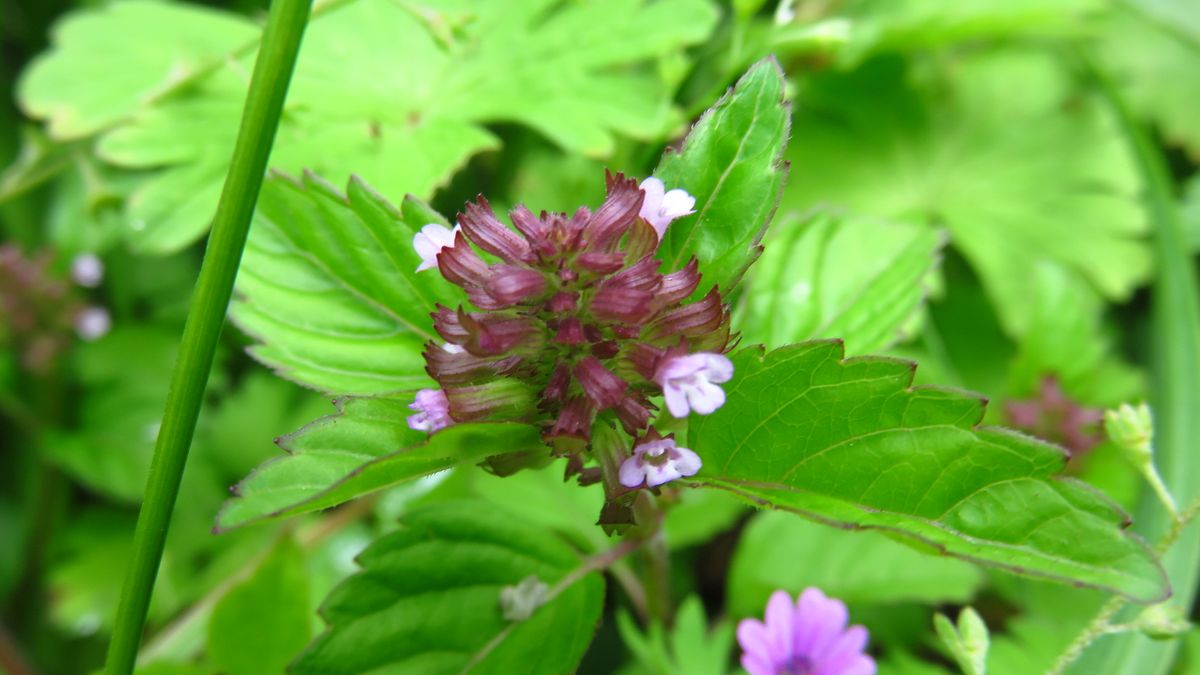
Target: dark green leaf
262 623
732 163
849 442
367 446
428 600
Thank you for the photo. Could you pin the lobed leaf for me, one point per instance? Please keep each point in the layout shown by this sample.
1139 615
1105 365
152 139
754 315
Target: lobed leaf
834 276
428 600
365 447
731 162
400 93
849 442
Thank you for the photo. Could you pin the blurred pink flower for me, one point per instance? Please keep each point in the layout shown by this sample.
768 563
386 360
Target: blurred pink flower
809 637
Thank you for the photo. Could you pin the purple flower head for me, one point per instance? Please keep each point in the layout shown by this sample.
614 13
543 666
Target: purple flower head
430 241
433 411
690 382
567 322
661 206
808 637
656 461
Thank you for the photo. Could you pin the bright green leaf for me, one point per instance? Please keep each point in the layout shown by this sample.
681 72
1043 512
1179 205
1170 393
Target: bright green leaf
381 89
731 163
1016 180
262 623
778 550
1156 64
328 288
856 279
96 76
365 447
428 600
849 442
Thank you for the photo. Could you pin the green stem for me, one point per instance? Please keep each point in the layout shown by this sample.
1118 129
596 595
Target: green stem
260 119
1175 395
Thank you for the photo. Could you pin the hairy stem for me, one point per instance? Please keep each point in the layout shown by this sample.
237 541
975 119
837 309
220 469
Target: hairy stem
260 119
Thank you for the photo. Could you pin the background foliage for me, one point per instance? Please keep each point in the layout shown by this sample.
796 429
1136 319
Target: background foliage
960 192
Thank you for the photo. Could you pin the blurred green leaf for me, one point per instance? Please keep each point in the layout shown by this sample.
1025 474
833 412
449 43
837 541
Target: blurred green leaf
778 550
1156 64
428 600
689 648
1017 179
365 447
1067 339
731 163
375 80
700 515
262 623
831 276
95 76
916 25
542 497
328 289
849 442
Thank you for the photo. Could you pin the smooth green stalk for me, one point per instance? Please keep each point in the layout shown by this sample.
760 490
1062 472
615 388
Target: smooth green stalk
260 118
1175 349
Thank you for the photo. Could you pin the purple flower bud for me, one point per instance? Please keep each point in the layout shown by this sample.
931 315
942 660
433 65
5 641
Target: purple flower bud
536 231
809 636
622 304
601 263
570 332
690 382
616 214
461 265
446 323
480 224
679 285
660 206
657 461
604 389
495 334
511 285
87 270
698 318
502 398
457 367
574 420
433 411
563 302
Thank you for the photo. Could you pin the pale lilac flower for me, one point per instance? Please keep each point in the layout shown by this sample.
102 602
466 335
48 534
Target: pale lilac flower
661 206
809 637
430 241
87 270
433 411
451 348
92 323
689 382
656 462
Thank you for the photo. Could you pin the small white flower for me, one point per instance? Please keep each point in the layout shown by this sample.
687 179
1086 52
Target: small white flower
433 411
660 206
451 348
92 323
87 270
657 462
690 382
430 241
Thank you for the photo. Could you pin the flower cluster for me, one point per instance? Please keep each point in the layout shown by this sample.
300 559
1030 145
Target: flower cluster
572 323
808 637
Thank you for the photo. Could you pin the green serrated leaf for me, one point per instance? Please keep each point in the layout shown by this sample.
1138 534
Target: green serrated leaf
731 162
382 89
365 447
850 442
1015 180
262 623
329 290
830 276
778 550
428 600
